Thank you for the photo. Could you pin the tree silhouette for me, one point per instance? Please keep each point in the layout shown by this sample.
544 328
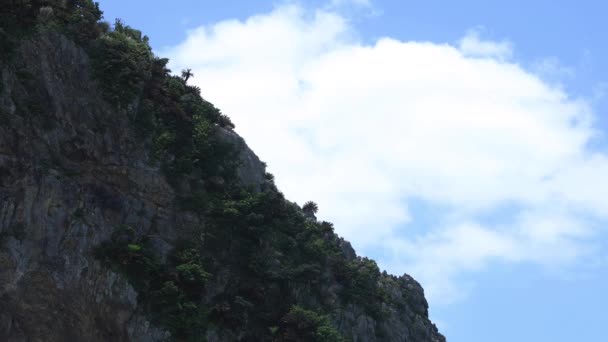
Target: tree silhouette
310 208
186 74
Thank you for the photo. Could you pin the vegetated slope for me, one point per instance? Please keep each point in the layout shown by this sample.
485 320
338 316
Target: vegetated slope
131 211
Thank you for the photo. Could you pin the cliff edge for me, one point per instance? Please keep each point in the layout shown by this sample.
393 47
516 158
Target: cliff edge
131 211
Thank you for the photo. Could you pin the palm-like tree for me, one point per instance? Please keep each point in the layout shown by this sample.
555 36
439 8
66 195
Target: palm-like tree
186 74
310 208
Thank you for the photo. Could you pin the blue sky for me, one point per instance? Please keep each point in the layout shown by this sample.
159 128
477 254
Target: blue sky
464 144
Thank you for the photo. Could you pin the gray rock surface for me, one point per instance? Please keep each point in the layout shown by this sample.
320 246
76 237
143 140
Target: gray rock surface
251 171
71 170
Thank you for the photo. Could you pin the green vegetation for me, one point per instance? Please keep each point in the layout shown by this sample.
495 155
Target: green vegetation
305 325
186 74
262 243
263 247
121 63
77 19
310 208
170 291
257 265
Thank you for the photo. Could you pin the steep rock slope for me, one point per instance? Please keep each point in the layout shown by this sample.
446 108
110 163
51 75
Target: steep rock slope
112 230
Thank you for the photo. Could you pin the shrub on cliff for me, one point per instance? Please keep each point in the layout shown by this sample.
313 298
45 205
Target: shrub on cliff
300 324
121 62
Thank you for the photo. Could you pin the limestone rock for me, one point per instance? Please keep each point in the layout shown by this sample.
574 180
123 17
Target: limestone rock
71 170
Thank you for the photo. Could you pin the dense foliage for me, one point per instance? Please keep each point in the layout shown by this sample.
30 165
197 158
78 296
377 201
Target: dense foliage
122 60
170 290
305 325
78 19
273 263
269 248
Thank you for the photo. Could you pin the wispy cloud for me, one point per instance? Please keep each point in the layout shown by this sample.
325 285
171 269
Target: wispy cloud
365 129
472 45
338 3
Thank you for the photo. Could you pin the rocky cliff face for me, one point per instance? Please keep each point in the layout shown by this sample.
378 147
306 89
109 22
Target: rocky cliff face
73 169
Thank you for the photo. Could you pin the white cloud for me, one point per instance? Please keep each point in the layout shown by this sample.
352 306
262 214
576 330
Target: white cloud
550 238
472 45
362 3
363 129
552 68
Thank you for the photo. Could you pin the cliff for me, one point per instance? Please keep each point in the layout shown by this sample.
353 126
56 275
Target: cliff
131 211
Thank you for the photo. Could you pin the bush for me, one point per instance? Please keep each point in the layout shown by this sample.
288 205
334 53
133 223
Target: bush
170 291
192 275
171 307
80 19
304 325
121 62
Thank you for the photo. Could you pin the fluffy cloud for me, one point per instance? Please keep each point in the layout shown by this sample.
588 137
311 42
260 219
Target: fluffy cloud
366 129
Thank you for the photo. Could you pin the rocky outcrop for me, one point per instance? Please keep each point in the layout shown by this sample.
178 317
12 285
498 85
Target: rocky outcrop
71 170
251 171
